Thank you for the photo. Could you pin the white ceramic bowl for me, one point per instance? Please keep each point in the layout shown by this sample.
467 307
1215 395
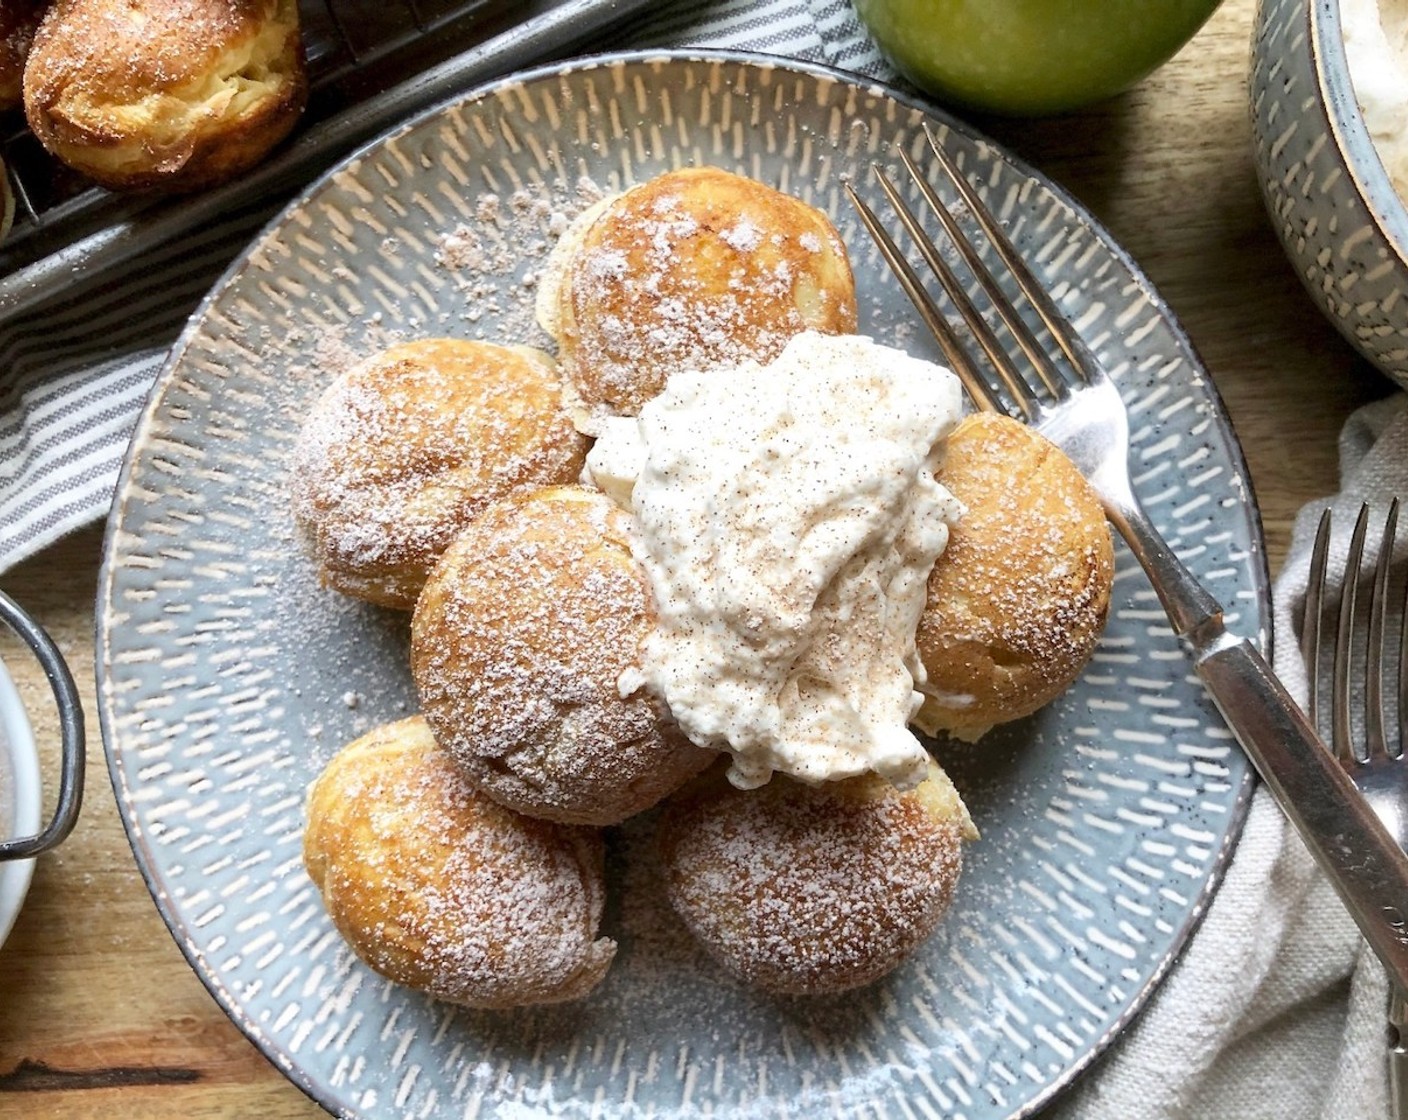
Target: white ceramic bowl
1332 204
20 798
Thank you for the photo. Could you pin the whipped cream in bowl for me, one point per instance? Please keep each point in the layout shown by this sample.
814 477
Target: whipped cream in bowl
788 518
1375 34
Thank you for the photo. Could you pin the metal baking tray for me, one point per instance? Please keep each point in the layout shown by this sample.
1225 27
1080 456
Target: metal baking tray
371 63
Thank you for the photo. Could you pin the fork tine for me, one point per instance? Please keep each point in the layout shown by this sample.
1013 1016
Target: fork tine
978 389
998 299
1374 742
987 341
947 281
1341 726
1311 622
1061 330
1036 354
972 377
1403 674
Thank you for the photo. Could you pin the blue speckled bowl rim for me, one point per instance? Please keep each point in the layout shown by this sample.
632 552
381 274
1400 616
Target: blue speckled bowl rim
1348 131
1219 416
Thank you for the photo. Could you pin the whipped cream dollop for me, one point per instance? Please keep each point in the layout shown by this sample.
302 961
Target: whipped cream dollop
1376 50
788 518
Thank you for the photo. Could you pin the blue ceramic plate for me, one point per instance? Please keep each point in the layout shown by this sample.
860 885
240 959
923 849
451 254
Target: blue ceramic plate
229 677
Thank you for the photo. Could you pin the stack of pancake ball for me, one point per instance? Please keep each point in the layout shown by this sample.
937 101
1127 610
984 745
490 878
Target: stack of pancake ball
172 95
460 851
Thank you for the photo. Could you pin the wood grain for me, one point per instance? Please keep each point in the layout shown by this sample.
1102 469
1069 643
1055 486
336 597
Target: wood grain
99 1013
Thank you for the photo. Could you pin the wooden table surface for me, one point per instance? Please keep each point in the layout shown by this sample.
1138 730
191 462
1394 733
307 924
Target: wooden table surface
99 1013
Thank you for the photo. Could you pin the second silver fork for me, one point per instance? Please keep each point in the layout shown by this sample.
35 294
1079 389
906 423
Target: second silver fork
1369 748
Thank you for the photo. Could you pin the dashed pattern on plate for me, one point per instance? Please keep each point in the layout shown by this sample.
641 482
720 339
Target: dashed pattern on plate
229 676
1327 194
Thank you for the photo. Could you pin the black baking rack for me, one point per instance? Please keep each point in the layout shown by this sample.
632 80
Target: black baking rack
370 63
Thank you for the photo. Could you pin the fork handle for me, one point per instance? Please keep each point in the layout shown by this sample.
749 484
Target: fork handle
1363 862
1398 1054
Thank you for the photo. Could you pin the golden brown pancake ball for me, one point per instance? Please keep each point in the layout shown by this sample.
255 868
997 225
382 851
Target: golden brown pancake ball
809 890
438 887
690 270
1019 598
403 451
18 21
170 94
525 649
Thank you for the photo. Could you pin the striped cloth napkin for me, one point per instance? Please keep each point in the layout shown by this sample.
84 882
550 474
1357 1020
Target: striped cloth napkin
1273 1010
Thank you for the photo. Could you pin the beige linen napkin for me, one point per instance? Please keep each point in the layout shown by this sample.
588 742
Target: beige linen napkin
1276 1009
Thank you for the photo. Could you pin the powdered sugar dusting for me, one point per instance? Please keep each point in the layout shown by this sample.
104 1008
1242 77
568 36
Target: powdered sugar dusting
177 94
519 645
746 236
694 270
495 259
809 889
1017 606
401 452
438 887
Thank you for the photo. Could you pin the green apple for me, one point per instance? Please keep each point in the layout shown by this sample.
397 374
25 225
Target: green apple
1029 57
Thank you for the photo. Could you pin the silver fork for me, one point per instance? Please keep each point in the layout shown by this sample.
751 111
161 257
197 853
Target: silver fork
1081 411
1361 652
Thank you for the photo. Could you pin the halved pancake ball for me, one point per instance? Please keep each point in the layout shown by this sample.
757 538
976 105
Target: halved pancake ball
169 94
1018 600
525 649
438 887
401 452
810 890
693 269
